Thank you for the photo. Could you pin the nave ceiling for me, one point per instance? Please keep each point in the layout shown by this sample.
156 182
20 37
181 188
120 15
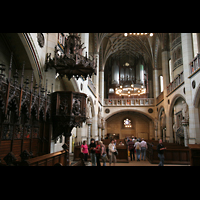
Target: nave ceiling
132 48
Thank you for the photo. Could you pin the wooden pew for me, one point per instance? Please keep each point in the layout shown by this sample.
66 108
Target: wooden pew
122 154
194 150
174 154
46 160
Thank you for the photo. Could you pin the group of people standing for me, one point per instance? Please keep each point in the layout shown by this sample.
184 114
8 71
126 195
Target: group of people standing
98 150
135 145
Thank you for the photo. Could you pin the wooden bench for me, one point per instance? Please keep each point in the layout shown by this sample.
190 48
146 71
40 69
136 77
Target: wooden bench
194 150
46 160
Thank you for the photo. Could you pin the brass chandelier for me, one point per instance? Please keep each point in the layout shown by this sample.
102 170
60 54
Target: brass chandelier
130 90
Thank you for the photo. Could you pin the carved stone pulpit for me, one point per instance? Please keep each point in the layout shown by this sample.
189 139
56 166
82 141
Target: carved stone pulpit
68 111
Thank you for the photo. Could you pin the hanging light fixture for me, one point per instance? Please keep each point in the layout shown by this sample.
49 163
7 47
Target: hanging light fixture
130 90
138 34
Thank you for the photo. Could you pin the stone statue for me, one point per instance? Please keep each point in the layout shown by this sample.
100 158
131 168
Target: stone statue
156 123
99 119
88 110
103 123
174 127
185 111
163 120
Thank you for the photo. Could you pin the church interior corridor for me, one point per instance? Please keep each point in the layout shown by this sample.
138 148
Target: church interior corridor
60 91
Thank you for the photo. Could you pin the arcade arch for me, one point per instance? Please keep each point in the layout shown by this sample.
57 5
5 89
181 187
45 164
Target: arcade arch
141 124
175 112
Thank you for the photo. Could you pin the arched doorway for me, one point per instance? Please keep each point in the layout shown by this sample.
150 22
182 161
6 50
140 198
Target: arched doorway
175 112
196 103
130 123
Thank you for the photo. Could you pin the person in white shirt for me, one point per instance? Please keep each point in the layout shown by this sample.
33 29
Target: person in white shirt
143 149
138 149
112 149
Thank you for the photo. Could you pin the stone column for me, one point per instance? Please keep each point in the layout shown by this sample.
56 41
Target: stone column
195 44
155 83
151 130
95 118
165 72
89 123
99 133
103 126
185 125
101 86
164 134
187 52
103 133
156 134
159 130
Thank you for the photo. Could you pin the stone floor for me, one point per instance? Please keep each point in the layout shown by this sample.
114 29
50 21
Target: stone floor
131 163
136 163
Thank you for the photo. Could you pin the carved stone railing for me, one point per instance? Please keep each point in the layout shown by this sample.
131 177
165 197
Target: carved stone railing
195 64
160 98
176 83
175 42
129 102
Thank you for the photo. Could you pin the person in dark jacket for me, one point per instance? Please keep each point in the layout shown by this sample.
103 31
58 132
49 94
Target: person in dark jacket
160 149
131 148
92 154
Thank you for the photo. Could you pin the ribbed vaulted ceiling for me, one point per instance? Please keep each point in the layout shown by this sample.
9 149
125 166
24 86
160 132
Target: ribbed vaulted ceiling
130 47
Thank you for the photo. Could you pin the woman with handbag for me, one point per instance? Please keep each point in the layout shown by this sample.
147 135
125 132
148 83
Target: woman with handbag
112 152
103 153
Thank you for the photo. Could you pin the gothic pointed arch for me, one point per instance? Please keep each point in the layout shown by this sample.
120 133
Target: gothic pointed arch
177 96
196 97
131 110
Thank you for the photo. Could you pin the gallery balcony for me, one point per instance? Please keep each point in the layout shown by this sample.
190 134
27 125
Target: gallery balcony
129 102
175 84
195 65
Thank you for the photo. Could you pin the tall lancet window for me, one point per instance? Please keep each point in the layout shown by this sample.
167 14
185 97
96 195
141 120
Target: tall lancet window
161 83
170 71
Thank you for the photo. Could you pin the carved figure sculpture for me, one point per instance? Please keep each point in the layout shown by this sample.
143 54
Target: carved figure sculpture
156 123
88 111
185 111
163 120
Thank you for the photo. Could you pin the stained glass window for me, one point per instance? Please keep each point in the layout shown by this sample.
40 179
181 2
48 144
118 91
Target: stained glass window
127 123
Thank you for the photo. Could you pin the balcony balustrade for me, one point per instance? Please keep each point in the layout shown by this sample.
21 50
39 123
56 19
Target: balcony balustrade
177 82
129 102
195 65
